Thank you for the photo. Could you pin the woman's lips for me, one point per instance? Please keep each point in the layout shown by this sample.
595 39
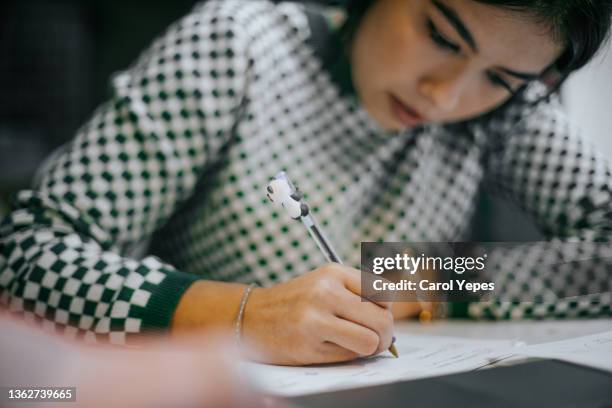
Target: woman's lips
405 114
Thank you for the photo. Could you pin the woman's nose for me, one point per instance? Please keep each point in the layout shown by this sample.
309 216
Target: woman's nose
444 93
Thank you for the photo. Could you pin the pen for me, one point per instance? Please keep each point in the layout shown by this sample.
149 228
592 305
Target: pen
282 192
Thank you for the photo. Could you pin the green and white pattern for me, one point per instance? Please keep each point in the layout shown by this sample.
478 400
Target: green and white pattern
159 166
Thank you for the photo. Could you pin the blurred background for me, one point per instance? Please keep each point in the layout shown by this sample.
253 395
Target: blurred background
56 57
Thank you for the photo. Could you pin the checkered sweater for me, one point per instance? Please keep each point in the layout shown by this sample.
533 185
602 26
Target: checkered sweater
177 161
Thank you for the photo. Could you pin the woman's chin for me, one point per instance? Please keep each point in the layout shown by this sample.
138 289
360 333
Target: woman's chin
384 119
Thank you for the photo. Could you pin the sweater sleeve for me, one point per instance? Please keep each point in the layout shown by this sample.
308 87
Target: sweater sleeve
64 257
540 163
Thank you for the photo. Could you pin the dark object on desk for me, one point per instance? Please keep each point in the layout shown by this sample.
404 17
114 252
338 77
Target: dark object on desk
544 383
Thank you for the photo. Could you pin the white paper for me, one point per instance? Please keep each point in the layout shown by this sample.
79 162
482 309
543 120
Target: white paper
594 350
419 357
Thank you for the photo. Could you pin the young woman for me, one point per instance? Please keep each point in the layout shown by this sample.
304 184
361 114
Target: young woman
389 122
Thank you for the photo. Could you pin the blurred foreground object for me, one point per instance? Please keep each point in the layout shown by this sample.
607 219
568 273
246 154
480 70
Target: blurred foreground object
189 372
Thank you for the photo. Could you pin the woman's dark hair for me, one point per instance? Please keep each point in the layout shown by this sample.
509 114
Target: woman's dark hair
582 26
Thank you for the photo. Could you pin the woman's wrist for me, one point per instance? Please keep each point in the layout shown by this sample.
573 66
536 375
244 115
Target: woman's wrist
208 304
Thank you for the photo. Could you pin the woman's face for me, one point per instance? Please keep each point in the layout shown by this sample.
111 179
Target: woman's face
439 61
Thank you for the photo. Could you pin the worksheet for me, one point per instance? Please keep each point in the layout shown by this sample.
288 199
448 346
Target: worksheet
594 350
419 357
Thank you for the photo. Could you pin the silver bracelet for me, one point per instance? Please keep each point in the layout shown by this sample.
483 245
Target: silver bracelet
240 316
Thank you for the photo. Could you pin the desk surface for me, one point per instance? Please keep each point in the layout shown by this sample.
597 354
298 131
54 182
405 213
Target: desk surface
530 332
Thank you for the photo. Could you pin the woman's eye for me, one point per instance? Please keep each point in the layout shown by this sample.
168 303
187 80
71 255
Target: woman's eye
440 40
498 81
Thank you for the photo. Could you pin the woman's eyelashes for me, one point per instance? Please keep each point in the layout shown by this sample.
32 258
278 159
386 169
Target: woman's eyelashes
440 40
447 45
498 81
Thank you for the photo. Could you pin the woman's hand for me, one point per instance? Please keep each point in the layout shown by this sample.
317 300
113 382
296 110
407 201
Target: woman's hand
318 317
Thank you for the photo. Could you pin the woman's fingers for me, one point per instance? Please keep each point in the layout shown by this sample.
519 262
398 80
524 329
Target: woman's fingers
358 339
333 353
352 281
352 308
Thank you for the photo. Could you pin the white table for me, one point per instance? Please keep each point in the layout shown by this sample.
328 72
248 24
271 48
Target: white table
530 332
